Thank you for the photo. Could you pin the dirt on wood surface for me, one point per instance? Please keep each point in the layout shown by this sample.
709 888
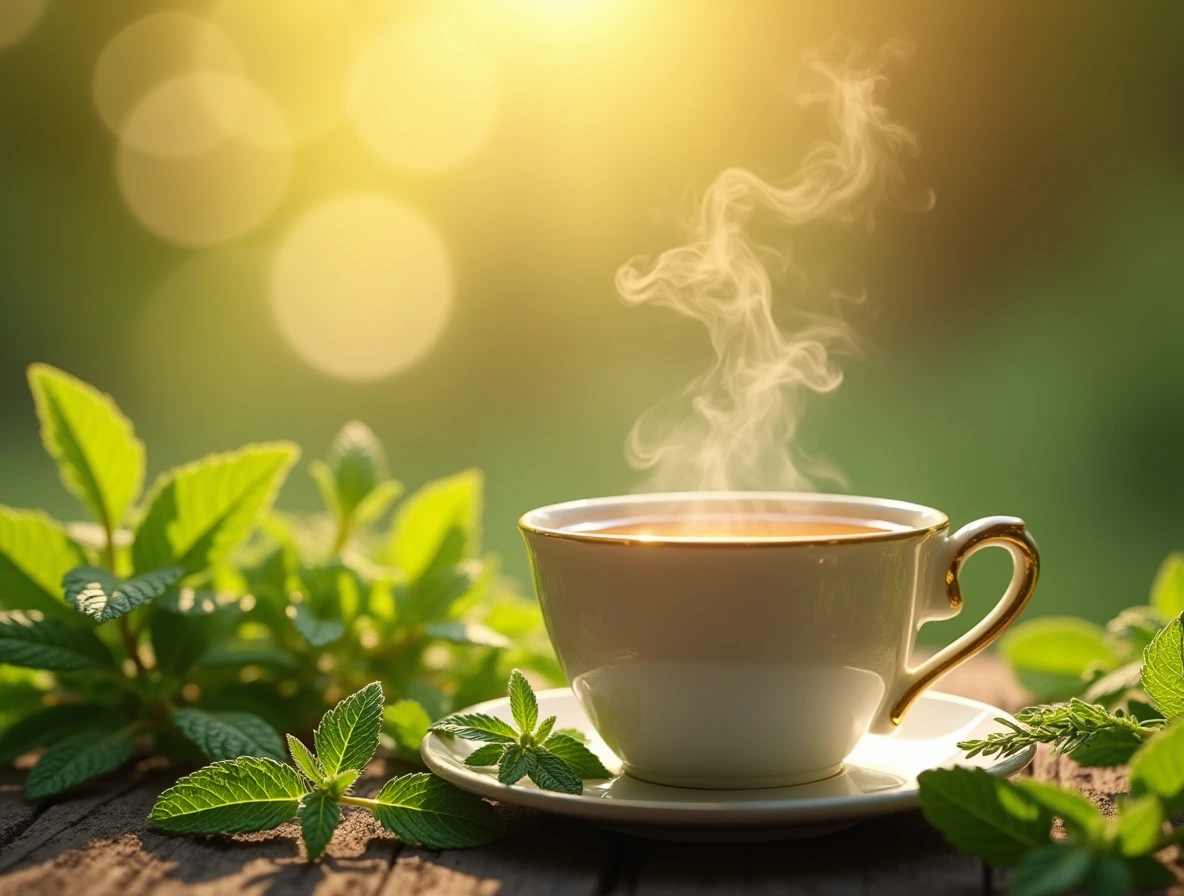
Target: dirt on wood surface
97 844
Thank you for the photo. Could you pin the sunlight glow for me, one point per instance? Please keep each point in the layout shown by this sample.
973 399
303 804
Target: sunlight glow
301 53
18 18
423 97
149 52
221 162
362 287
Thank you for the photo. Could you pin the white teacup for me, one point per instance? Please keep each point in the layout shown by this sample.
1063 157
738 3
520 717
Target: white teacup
760 658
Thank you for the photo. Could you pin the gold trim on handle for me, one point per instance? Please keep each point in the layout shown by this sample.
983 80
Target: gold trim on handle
1003 533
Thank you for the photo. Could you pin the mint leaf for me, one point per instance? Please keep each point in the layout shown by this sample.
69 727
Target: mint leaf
306 761
477 726
245 794
228 735
197 514
319 816
378 502
340 784
47 726
1109 687
49 644
1075 810
1167 592
1107 748
516 763
523 703
1050 654
180 641
1163 670
102 596
317 631
422 809
579 758
1158 768
357 464
552 773
99 459
473 633
1051 870
544 730
1108 876
408 723
982 815
490 754
348 734
437 526
1140 824
35 553
574 733
77 758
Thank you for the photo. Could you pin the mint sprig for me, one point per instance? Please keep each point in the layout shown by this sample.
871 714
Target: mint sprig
553 761
257 794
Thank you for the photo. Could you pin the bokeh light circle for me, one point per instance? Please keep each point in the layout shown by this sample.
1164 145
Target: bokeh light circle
423 97
158 48
362 286
227 165
299 51
18 18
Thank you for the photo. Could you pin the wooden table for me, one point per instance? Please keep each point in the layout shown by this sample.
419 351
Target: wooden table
97 844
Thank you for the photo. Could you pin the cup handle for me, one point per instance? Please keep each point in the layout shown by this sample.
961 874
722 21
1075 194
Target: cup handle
1006 532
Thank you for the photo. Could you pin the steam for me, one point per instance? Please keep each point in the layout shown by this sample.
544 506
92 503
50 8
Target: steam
733 427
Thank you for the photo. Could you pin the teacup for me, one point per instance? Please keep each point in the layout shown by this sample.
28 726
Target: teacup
757 650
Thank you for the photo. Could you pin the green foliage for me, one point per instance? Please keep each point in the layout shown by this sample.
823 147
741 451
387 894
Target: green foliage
256 794
1167 592
1163 670
553 761
77 758
203 620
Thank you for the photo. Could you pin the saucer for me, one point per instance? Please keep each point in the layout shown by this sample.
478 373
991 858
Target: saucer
879 778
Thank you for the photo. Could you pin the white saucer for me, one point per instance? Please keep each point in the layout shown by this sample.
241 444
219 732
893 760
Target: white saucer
880 778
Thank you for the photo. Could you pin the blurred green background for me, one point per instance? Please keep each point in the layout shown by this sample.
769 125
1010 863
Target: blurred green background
1023 340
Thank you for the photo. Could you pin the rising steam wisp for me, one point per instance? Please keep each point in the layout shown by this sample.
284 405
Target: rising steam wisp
733 426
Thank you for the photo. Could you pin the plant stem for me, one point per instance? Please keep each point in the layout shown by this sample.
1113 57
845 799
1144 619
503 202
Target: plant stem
125 632
359 801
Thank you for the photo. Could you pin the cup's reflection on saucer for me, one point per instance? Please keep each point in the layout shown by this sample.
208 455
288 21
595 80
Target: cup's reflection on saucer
851 781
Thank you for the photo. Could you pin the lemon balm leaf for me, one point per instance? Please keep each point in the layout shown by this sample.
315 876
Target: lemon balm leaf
1163 670
48 644
102 596
523 703
408 723
578 757
437 526
319 816
100 460
245 794
423 809
489 754
477 726
1167 592
348 734
228 735
357 463
550 772
1158 768
78 758
516 763
306 761
35 552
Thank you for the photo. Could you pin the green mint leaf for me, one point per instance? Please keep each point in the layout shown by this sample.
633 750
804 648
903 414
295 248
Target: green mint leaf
433 596
1050 654
408 723
523 703
348 734
371 508
578 757
489 754
47 726
516 763
1140 824
477 726
339 785
308 764
78 758
1167 592
245 794
471 633
1163 670
437 526
1108 876
197 514
1114 684
317 631
1158 768
326 486
1075 810
357 463
550 772
982 815
1136 626
181 641
228 735
423 809
574 733
1146 871
102 596
545 727
35 553
319 816
99 459
37 643
241 652
1051 870
1107 748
